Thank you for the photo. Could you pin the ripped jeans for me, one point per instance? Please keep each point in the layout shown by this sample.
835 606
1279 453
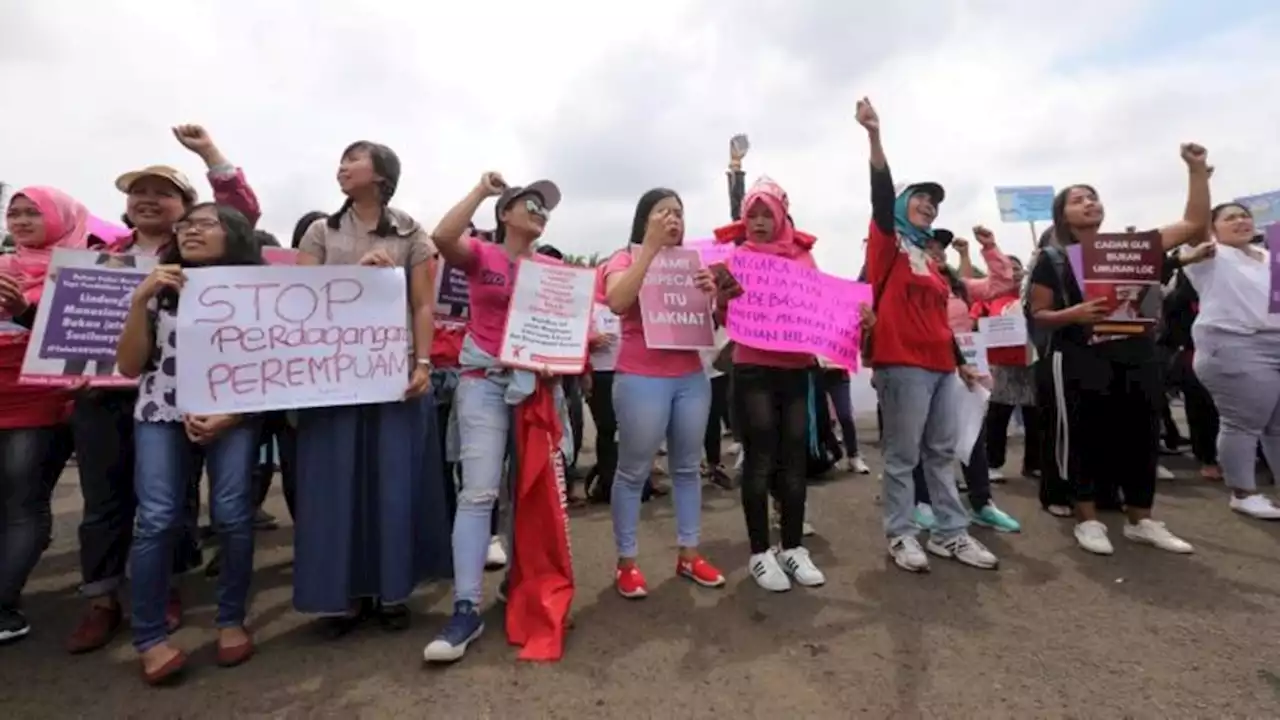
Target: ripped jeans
484 430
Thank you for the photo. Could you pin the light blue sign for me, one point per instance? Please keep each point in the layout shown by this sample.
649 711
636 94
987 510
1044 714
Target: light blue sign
1265 208
1025 204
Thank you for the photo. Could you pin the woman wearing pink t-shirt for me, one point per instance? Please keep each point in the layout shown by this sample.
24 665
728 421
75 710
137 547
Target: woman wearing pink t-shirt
487 391
658 395
771 396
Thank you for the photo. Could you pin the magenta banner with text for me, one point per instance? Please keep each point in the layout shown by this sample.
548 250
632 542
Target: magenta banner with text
788 307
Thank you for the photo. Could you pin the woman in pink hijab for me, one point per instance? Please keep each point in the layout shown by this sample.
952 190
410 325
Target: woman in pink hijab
34 442
771 405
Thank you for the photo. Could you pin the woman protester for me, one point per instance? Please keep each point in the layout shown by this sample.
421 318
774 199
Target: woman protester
167 440
659 395
34 438
1108 387
487 391
916 361
1237 355
370 503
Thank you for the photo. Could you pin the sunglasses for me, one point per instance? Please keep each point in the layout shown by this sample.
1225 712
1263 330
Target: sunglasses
534 206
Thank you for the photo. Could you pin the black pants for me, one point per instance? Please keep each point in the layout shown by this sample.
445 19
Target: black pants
977 476
573 399
717 419
1112 428
1054 488
1202 414
771 406
606 420
102 428
997 432
277 432
449 476
31 460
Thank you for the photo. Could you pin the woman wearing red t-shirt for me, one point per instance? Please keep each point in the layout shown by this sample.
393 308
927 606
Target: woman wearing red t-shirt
915 357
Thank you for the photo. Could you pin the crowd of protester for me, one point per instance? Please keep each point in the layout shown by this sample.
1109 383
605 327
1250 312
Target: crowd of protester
387 496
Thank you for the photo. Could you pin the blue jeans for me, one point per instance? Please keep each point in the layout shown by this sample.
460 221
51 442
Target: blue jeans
484 431
162 470
649 410
920 427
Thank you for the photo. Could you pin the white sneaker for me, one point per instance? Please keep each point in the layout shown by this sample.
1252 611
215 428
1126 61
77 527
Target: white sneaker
858 465
1091 535
907 554
1155 533
965 549
1163 473
496 557
1256 506
768 573
800 567
995 474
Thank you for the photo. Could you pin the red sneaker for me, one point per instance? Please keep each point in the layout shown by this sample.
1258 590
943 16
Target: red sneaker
630 583
700 571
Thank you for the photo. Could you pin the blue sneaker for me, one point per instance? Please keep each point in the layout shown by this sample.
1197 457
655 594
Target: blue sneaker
923 517
463 629
993 517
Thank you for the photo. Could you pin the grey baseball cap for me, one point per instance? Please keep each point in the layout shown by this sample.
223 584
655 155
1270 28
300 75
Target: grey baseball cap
544 189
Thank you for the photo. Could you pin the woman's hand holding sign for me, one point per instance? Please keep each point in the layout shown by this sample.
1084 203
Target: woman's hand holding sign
161 278
11 298
705 281
377 257
204 429
1088 312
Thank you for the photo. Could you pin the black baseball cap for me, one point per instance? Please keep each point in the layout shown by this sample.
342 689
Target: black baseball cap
544 189
932 189
943 236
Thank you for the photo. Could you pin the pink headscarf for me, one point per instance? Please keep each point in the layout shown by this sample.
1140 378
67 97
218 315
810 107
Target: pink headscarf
65 226
787 241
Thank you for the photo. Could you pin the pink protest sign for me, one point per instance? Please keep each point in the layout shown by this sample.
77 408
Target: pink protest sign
280 256
710 251
675 314
106 231
788 307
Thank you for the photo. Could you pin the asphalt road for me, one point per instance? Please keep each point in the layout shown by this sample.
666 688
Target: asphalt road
1054 633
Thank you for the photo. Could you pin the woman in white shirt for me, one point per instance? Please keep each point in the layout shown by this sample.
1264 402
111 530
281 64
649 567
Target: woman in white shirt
1238 351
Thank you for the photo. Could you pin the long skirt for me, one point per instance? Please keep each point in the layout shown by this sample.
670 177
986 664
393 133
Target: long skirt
372 516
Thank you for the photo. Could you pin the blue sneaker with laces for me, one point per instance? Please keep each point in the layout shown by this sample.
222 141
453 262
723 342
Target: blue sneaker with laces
463 629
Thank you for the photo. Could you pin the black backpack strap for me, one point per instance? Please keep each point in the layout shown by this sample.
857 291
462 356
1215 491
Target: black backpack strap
1041 337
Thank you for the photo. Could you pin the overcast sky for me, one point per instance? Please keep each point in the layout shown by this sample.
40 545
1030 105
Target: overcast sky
610 99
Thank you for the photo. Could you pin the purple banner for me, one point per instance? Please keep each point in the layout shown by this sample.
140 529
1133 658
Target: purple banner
453 293
1273 244
87 313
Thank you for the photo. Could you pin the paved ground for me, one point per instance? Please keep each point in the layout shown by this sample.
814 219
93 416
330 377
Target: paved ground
1053 634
